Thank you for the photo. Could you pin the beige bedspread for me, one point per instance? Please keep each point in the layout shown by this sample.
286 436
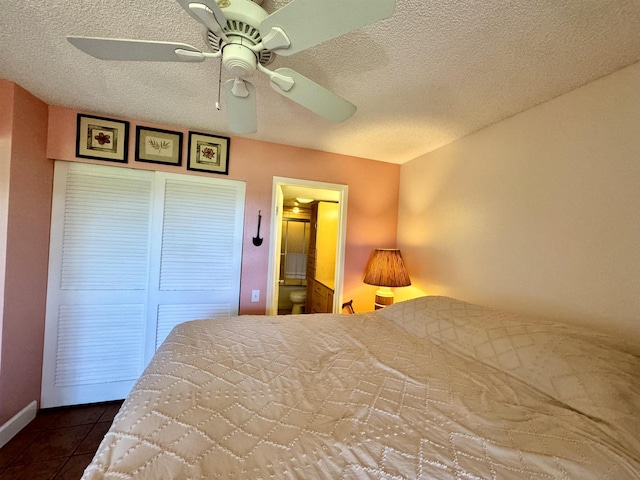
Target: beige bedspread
429 388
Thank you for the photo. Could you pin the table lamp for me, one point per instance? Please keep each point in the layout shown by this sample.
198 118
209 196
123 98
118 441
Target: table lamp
386 269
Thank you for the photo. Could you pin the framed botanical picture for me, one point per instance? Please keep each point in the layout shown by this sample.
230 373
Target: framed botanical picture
102 138
158 146
208 153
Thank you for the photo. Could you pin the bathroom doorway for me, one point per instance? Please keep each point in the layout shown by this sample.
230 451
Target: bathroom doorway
291 230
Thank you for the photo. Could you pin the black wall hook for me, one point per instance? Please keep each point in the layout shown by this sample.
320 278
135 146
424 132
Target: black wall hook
257 241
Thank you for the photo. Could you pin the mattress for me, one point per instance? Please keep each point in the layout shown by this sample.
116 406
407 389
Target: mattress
429 388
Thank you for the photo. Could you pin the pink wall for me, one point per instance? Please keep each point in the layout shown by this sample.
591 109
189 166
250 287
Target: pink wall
27 242
372 203
6 126
32 132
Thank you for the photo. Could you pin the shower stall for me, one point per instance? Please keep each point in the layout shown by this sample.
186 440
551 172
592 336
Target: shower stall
293 261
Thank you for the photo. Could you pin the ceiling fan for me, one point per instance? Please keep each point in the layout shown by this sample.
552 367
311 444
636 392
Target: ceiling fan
246 38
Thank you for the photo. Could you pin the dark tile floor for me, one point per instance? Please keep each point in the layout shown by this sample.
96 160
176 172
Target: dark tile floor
58 444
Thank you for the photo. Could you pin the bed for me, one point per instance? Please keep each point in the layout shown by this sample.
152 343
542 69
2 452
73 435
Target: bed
428 388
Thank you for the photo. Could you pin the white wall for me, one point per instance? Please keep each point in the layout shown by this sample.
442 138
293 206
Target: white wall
539 213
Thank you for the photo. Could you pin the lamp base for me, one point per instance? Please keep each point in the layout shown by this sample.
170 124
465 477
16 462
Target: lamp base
384 298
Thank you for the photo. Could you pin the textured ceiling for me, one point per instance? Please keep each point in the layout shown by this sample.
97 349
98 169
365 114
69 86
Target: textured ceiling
433 72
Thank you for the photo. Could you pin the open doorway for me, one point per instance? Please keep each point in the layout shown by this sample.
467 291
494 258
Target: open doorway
293 234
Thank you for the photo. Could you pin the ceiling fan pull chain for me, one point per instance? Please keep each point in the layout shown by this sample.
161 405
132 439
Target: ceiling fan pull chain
219 83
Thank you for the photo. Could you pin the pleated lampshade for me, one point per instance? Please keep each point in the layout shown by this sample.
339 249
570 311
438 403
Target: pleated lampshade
386 269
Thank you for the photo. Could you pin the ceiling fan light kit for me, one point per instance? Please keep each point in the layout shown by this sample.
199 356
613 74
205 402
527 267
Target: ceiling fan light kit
247 39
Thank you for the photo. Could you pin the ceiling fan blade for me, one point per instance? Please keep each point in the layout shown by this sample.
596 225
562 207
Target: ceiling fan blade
139 50
218 15
242 115
315 97
309 22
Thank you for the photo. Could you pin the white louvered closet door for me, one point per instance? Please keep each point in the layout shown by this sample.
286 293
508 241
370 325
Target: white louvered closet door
130 257
196 269
97 290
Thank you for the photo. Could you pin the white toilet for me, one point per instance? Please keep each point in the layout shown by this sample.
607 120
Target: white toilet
299 299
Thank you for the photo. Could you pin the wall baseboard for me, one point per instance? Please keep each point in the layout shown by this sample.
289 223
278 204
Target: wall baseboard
17 423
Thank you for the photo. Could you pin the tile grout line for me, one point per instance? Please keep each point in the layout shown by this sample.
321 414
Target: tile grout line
61 469
58 422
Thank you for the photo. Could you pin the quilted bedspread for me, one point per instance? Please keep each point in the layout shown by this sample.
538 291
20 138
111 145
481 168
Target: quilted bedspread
429 388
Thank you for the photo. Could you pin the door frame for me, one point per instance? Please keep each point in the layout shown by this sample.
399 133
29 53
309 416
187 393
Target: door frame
276 232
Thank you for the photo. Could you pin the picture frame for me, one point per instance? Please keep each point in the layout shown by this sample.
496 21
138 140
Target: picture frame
102 138
154 145
208 153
